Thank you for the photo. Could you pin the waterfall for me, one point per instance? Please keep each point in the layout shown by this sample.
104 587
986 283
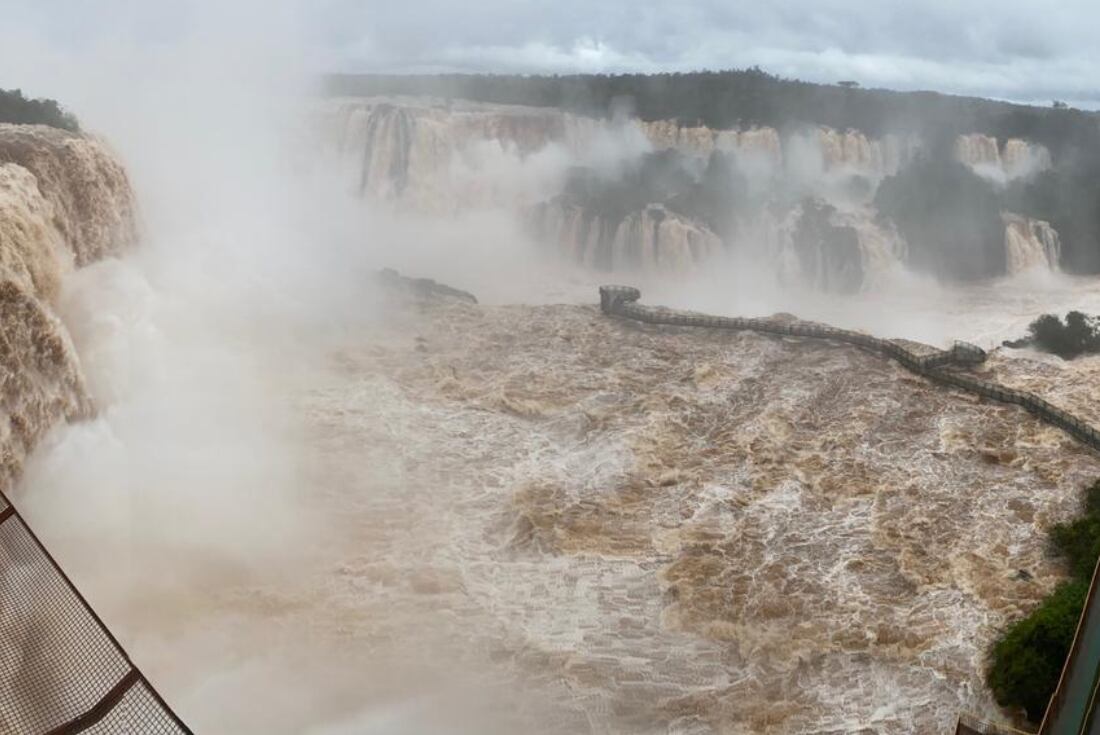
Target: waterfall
444 157
660 241
760 142
1030 244
1016 159
653 239
815 245
65 202
430 156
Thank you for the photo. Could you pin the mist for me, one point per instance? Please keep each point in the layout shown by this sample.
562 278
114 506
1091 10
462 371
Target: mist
306 505
194 489
202 510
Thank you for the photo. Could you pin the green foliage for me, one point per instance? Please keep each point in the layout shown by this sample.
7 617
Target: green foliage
15 108
1079 540
654 177
830 251
1077 335
1069 198
950 216
1027 659
712 196
744 97
718 197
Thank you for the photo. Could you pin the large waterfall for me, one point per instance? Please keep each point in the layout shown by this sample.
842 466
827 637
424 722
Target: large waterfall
64 202
438 157
444 157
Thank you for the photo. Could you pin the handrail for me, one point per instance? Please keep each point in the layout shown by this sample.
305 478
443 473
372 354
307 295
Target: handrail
622 301
1056 699
124 696
968 723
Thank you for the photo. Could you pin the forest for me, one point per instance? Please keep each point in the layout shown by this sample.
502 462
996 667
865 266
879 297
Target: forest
18 109
743 98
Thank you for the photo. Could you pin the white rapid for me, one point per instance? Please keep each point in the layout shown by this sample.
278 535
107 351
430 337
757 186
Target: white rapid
315 506
538 519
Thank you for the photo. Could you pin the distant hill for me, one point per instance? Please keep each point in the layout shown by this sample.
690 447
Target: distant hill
742 98
15 108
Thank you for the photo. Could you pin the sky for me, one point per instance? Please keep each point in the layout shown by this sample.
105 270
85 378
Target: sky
1026 51
1009 49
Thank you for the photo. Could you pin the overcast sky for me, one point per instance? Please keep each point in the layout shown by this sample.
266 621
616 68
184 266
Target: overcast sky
1024 50
1011 49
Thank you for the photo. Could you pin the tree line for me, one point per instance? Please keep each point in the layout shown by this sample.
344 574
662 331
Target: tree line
746 97
16 108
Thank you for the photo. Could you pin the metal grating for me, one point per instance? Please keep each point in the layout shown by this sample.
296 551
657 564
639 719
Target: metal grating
139 711
61 670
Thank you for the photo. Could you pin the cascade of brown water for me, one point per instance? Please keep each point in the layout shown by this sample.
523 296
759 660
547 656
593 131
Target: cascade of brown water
65 202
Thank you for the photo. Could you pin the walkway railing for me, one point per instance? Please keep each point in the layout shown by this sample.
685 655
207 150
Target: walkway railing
969 724
1072 707
1076 700
61 670
622 301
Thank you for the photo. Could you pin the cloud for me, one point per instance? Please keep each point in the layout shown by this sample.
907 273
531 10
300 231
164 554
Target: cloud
1021 51
1013 49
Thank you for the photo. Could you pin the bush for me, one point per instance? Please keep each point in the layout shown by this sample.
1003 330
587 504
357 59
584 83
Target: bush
1077 335
1027 660
1079 540
15 108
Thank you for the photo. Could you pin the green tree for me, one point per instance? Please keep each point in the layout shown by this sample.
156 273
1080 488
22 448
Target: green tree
1077 335
1027 659
15 108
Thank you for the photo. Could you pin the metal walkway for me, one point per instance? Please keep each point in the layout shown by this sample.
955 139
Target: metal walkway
1074 708
61 670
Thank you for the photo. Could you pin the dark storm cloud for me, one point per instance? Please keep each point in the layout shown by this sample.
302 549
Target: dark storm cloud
1027 51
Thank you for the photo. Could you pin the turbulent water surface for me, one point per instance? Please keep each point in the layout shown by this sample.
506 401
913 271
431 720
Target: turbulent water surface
417 514
540 519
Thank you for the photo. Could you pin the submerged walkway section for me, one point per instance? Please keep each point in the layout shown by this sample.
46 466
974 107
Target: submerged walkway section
61 670
932 364
1074 708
